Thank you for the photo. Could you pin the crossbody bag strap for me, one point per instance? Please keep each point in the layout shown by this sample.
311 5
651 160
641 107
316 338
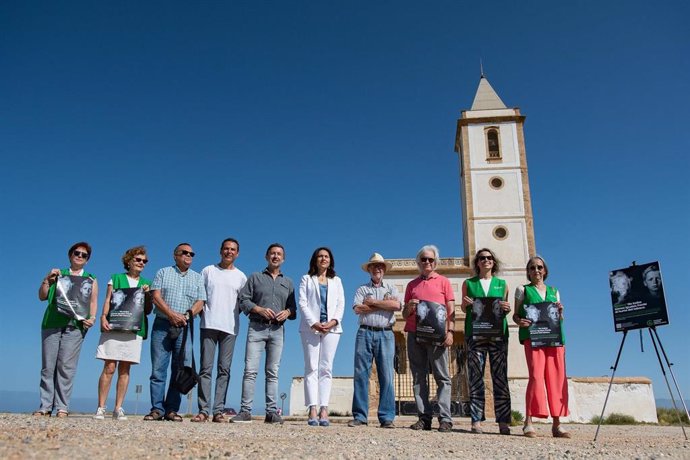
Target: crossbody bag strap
190 325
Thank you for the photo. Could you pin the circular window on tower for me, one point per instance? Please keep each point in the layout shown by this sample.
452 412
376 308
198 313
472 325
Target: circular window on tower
500 232
496 183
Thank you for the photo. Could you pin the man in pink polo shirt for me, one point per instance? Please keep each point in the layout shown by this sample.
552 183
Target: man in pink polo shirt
429 286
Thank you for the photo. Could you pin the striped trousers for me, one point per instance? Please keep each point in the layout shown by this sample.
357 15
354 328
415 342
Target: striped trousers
477 352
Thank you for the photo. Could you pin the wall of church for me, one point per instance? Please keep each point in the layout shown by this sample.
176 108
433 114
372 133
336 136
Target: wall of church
511 250
508 145
504 201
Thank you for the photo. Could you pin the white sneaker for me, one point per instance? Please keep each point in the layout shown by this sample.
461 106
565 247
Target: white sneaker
119 414
100 413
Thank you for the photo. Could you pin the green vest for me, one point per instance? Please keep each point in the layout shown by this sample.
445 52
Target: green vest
532 296
120 281
497 288
52 318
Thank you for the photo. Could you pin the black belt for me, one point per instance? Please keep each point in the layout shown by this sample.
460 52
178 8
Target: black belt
266 321
374 328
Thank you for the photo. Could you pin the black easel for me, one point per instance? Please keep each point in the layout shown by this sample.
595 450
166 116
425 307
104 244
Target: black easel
614 367
655 339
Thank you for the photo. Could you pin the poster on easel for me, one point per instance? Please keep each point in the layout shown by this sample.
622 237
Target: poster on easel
637 297
545 327
431 322
73 296
487 318
126 309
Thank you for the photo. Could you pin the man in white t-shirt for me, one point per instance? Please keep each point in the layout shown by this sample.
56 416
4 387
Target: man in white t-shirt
219 327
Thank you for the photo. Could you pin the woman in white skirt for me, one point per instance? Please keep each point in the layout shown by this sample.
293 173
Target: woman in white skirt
122 348
321 303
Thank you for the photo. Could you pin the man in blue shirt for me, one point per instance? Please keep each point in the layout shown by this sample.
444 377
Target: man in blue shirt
376 303
178 291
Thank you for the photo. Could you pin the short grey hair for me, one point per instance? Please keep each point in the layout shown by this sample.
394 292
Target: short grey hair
425 248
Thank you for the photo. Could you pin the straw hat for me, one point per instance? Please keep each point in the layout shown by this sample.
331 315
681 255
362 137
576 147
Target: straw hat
376 258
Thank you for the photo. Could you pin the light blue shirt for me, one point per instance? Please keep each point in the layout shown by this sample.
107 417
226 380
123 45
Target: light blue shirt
377 318
179 290
323 292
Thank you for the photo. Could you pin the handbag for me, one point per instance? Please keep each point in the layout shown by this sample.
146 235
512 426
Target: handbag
186 377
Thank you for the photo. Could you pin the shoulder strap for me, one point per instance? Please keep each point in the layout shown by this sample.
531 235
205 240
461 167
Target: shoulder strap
183 348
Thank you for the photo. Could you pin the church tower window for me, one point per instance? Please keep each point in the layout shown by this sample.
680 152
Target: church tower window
493 146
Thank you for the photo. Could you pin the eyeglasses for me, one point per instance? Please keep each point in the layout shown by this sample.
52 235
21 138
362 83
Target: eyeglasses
483 258
140 260
535 268
82 254
182 252
430 260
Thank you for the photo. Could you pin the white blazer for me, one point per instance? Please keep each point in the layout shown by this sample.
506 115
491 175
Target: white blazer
310 303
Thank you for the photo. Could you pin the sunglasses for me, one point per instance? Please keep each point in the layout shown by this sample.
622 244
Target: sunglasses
83 255
483 258
140 260
182 252
430 260
535 268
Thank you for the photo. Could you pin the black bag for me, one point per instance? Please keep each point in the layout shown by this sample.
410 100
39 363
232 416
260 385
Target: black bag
186 377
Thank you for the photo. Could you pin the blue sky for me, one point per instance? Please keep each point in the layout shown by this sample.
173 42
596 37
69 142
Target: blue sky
313 123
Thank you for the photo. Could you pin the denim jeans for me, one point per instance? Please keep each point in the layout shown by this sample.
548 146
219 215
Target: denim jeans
226 346
60 355
422 356
162 348
377 346
260 337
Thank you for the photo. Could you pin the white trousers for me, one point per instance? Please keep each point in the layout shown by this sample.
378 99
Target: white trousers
319 351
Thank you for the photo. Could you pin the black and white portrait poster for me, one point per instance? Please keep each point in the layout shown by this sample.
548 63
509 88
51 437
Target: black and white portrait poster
637 296
545 330
431 322
487 318
126 309
73 296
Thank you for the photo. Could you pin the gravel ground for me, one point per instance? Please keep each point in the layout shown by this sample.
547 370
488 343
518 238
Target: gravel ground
79 436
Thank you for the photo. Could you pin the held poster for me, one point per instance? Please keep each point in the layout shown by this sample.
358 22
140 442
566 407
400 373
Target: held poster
545 330
126 309
431 322
73 296
637 296
487 318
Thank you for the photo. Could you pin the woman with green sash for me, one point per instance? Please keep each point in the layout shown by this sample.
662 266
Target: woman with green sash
546 365
118 348
62 336
484 284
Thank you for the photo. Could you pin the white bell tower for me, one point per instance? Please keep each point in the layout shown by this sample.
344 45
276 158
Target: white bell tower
496 204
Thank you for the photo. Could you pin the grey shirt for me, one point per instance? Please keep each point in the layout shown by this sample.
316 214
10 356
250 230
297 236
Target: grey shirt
377 318
276 294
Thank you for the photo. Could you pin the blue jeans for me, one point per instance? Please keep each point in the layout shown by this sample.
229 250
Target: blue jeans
378 346
162 348
260 337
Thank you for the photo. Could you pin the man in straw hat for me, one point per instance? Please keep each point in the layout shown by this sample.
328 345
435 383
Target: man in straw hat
376 303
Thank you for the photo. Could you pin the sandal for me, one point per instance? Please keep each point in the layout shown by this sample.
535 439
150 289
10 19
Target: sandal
173 417
559 432
40 413
529 432
62 414
504 429
200 418
218 418
476 428
153 416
